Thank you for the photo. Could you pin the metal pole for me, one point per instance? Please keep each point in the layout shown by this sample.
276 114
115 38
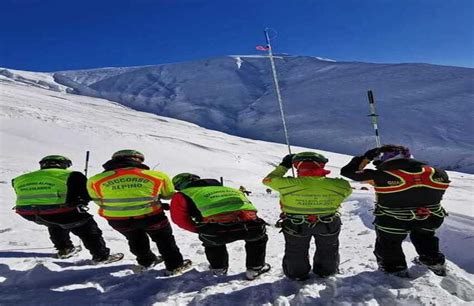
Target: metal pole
373 117
277 89
87 163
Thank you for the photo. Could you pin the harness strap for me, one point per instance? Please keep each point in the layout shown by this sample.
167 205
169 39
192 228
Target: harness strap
391 230
409 214
65 226
312 220
128 208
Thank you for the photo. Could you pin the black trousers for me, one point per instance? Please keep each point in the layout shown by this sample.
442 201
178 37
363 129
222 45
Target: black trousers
390 234
215 236
158 228
80 224
297 243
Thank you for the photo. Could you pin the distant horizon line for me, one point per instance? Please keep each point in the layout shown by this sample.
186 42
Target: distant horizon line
276 55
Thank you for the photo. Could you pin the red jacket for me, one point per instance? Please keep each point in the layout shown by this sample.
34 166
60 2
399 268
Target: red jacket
181 213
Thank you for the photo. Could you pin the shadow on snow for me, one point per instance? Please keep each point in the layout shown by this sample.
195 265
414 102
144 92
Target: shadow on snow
454 234
41 286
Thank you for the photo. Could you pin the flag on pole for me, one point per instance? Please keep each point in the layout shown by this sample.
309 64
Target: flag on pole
262 48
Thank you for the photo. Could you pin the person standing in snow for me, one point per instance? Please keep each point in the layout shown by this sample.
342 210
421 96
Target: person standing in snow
244 190
220 215
129 194
309 205
408 195
55 197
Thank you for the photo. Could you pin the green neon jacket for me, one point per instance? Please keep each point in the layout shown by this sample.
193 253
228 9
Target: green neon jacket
42 187
214 200
309 195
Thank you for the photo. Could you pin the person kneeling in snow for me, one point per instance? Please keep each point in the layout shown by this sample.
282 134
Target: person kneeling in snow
408 195
309 205
220 215
55 197
128 194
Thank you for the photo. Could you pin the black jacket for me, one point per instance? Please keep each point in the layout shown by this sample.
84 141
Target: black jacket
77 189
414 197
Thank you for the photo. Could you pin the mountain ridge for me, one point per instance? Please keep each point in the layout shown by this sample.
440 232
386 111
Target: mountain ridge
426 107
37 121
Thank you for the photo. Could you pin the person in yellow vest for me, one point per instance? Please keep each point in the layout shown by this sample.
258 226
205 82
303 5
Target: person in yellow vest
54 196
309 205
408 195
220 215
128 194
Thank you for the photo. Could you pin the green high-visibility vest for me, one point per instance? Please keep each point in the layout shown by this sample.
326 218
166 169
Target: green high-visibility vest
308 195
129 192
214 200
42 187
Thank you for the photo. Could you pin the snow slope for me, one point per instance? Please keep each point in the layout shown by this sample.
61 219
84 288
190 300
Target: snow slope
36 121
426 107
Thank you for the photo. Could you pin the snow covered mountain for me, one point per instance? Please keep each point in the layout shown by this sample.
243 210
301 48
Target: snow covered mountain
426 107
39 118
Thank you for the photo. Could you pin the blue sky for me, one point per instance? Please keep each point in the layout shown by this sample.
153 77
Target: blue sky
52 35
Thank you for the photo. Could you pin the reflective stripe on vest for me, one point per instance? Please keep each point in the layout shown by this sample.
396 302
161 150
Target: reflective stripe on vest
42 187
127 208
41 196
214 200
125 200
412 180
126 192
307 211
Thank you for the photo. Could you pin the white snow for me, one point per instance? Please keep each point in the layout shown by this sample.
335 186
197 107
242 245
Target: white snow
238 61
255 56
325 59
41 80
37 122
425 107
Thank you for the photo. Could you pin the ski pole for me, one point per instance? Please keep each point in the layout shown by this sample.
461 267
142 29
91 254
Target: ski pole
277 89
87 163
373 116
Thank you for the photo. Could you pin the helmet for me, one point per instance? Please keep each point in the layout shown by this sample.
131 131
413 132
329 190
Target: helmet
180 181
128 154
55 161
310 164
392 152
309 156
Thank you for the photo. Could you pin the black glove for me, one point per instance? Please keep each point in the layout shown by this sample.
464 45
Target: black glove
287 161
372 153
